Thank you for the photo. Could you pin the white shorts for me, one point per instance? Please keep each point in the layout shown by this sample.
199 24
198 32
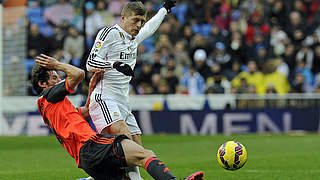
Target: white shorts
105 110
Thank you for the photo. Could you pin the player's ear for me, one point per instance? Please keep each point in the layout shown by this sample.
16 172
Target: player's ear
42 84
122 17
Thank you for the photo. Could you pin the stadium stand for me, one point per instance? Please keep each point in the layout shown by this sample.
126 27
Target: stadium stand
232 33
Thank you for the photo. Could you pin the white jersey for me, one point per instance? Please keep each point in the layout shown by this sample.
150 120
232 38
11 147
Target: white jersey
115 44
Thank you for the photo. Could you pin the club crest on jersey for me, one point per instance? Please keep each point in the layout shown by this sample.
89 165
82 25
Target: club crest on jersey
115 114
121 35
97 45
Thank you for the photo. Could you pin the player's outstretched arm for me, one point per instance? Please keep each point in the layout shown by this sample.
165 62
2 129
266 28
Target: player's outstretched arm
153 24
75 75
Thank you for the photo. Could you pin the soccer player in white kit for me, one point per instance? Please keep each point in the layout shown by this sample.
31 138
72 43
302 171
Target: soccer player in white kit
109 103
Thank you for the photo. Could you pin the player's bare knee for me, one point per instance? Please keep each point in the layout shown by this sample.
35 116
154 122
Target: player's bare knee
148 153
119 127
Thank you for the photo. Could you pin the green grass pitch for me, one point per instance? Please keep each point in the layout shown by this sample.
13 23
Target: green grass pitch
272 157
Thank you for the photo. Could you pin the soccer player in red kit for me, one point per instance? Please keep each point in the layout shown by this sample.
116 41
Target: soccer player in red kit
101 156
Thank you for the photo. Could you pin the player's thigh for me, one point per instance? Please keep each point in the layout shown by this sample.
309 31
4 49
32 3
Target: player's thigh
103 111
130 120
135 154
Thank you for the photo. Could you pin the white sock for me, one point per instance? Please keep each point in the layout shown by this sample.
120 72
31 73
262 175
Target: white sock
134 173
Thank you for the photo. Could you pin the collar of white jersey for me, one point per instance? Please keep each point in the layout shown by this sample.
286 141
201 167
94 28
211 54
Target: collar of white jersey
124 32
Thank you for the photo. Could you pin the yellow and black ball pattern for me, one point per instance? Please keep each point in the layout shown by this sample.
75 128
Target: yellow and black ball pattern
232 155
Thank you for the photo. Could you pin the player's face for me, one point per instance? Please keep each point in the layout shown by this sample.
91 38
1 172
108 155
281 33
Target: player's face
54 78
133 23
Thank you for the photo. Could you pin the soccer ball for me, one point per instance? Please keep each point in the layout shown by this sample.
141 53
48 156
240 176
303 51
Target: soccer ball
232 155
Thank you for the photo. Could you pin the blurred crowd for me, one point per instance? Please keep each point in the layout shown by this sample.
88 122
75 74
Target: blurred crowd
202 47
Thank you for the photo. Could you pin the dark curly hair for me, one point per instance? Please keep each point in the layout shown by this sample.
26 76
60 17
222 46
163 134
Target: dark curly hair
39 74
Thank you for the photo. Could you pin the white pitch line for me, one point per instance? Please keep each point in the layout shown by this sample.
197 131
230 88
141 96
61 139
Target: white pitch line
281 171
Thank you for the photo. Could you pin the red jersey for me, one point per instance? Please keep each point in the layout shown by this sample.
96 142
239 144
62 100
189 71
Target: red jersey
66 122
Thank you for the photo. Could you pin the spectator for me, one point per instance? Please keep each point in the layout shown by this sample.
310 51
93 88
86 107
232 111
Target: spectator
144 78
249 6
187 36
278 39
282 67
277 80
37 43
215 36
74 44
172 81
279 14
181 54
163 42
295 28
57 39
59 12
220 56
217 83
298 85
237 47
143 54
251 77
256 25
193 81
305 54
196 12
94 22
200 60
171 65
155 83
115 6
307 74
232 73
289 57
107 16
212 10
316 60
223 19
156 64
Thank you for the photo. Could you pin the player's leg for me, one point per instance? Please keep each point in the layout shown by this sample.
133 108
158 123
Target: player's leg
133 171
106 116
119 127
136 155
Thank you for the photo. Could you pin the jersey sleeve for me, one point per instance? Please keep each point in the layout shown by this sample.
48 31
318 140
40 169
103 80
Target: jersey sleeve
58 92
97 60
151 26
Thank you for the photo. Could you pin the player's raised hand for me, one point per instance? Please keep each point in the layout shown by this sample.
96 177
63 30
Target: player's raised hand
46 61
124 68
168 4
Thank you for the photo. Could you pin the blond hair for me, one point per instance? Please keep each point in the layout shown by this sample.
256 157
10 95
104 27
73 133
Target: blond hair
136 8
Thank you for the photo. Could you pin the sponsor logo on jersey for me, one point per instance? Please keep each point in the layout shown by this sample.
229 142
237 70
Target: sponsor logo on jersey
121 35
124 55
97 45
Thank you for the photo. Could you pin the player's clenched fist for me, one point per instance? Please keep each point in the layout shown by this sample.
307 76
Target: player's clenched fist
124 68
168 4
